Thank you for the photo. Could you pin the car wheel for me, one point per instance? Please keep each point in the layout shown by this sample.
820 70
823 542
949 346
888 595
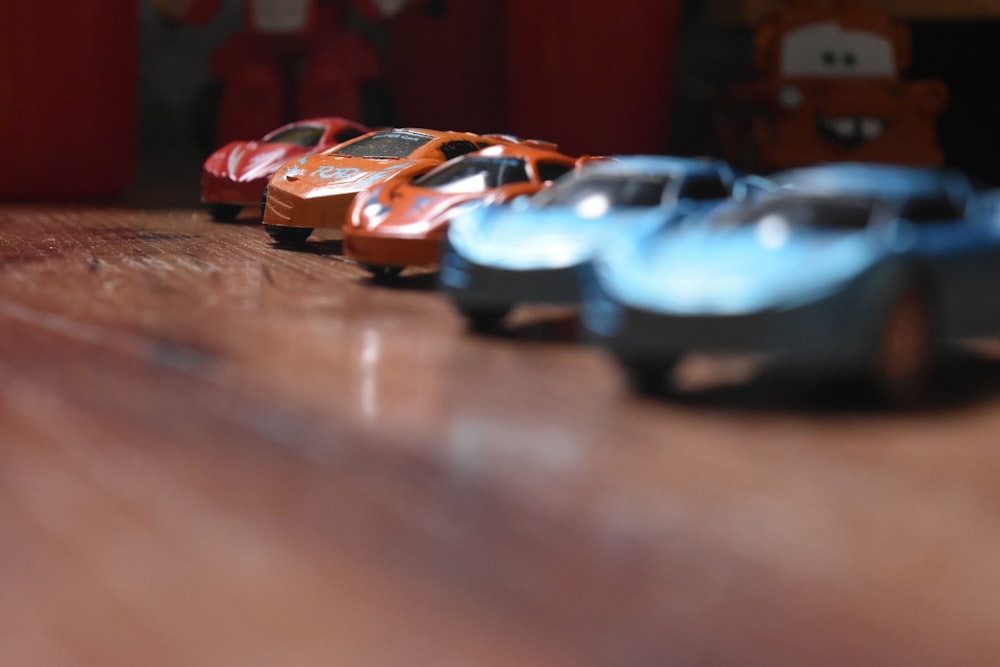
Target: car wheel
224 212
484 320
288 235
903 355
380 272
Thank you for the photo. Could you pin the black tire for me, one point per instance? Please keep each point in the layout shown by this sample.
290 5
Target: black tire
224 212
484 320
380 272
902 355
288 236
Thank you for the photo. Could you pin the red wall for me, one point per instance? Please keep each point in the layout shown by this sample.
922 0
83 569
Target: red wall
67 98
594 77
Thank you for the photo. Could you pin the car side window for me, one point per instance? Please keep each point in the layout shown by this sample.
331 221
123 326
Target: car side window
550 171
513 172
703 187
300 135
452 149
930 210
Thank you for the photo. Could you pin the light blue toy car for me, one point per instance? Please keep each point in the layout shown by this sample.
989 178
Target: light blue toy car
532 250
852 267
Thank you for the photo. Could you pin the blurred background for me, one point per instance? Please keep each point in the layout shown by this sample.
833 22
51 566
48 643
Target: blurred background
134 91
272 457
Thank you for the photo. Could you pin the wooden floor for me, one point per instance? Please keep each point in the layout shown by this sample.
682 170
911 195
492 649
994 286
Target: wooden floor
217 452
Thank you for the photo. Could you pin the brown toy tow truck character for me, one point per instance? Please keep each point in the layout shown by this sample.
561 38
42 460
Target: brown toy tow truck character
830 91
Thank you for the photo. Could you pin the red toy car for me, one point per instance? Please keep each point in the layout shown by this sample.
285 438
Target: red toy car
404 221
235 175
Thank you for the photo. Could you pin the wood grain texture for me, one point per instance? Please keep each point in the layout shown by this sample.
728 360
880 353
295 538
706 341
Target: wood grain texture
217 452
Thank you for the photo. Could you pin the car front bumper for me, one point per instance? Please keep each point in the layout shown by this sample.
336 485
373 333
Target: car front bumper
382 250
468 283
288 209
836 330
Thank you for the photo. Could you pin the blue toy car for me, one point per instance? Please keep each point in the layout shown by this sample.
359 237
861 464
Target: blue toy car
532 249
854 267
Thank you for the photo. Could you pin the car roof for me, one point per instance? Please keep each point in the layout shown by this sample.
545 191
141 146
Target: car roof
665 165
325 122
434 137
525 151
449 135
873 180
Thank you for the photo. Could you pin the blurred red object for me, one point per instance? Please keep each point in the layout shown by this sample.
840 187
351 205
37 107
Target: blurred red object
446 70
67 98
292 59
593 78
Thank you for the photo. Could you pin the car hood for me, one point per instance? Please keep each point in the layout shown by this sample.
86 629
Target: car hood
323 175
411 210
705 269
512 237
243 161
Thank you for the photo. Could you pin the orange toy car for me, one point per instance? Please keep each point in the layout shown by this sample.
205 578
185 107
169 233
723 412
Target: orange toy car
404 221
316 191
830 91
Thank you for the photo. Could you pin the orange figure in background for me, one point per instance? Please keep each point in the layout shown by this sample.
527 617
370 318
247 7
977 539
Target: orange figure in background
831 91
294 59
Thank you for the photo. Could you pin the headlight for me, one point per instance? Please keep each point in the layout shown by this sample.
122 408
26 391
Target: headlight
374 210
373 213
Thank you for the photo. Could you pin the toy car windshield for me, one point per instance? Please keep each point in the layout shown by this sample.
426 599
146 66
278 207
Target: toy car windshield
593 196
388 144
307 136
843 213
474 174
